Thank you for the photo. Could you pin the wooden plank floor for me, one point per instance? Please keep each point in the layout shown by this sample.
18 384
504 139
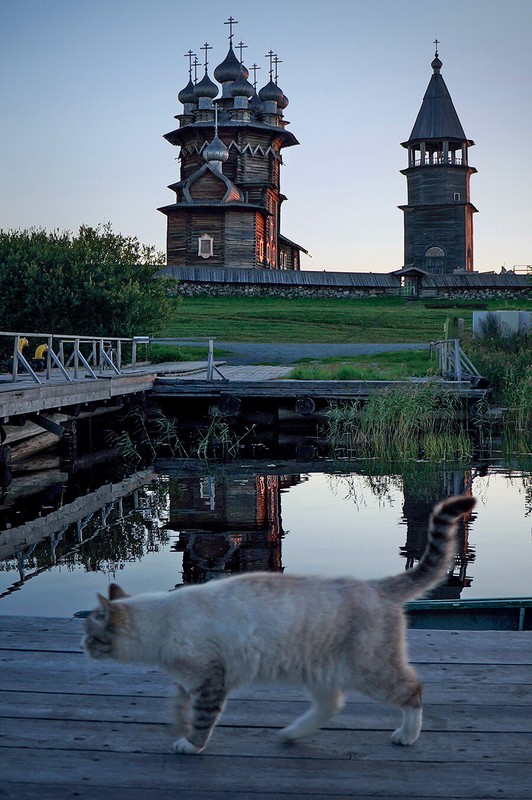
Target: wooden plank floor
71 727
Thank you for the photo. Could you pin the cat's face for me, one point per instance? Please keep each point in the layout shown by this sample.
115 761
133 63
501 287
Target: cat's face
103 625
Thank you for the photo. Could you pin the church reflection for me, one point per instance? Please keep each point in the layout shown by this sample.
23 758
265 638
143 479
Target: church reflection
226 525
421 491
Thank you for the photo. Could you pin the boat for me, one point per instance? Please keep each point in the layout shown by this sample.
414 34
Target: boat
499 614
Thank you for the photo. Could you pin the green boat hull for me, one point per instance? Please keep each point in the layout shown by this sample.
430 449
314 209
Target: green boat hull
505 614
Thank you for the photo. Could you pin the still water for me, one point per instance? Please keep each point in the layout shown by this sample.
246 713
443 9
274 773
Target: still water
166 526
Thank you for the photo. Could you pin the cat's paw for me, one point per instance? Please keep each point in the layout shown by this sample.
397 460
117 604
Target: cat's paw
290 734
402 737
184 746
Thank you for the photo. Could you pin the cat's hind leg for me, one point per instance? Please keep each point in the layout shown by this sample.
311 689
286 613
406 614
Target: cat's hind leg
402 689
327 703
412 717
207 703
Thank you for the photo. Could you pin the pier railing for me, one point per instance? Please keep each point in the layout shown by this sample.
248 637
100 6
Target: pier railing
453 364
76 357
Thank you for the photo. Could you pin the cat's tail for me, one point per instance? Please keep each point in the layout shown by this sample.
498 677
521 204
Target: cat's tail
438 555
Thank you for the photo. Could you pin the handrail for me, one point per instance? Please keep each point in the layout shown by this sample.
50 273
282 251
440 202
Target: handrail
453 363
103 354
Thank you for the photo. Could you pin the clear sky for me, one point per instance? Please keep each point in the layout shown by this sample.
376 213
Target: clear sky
88 88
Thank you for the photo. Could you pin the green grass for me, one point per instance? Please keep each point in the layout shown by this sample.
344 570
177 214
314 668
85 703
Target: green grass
416 421
271 319
381 367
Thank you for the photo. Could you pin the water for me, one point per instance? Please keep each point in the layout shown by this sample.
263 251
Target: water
155 531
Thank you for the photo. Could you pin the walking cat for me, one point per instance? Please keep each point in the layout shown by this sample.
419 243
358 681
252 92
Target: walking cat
329 635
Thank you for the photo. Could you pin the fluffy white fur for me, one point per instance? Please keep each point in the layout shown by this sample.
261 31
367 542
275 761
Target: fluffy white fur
328 635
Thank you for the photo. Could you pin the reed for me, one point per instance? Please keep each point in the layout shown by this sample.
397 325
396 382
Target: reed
401 424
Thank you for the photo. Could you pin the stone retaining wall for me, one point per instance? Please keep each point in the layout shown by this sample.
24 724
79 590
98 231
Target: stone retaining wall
194 289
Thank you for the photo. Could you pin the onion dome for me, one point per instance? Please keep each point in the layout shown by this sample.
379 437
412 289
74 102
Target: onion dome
229 69
255 103
436 64
283 102
187 95
245 71
216 150
271 92
241 87
205 88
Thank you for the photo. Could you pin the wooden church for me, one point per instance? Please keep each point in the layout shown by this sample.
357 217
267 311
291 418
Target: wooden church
438 218
227 211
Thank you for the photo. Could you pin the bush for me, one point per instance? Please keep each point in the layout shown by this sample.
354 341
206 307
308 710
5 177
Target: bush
96 283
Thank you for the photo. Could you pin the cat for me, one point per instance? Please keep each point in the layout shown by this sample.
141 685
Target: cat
329 635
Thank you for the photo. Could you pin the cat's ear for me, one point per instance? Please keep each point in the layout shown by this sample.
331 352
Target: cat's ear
116 592
104 602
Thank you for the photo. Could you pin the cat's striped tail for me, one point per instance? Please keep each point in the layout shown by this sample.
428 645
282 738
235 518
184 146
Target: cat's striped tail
438 555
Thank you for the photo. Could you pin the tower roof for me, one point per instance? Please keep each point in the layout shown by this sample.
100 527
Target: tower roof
437 117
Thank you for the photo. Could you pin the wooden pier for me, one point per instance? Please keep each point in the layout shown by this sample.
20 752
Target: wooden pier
186 380
71 727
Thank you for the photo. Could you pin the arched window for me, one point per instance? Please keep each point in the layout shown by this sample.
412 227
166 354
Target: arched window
434 259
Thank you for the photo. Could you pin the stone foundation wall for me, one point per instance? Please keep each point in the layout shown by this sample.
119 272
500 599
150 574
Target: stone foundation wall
194 289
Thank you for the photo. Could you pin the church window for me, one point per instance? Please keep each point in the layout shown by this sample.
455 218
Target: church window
205 245
456 197
434 259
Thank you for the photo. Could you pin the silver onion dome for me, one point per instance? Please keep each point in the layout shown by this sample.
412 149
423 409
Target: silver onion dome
205 88
187 95
216 150
241 87
255 103
229 69
271 92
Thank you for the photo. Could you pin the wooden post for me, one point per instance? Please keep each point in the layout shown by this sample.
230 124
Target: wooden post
457 364
210 360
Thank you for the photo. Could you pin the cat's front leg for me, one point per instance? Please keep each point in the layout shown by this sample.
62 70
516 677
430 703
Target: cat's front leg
208 701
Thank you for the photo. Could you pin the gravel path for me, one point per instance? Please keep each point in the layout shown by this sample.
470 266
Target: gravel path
250 353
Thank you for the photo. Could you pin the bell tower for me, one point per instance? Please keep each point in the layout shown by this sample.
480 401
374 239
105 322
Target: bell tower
438 218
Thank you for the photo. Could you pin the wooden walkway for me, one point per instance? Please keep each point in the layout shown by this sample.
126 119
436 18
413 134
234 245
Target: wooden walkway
71 727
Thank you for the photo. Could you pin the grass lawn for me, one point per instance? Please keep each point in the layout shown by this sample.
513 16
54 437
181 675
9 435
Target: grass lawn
269 319
381 367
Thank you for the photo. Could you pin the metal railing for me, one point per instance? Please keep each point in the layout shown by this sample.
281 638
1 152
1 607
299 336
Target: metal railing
79 357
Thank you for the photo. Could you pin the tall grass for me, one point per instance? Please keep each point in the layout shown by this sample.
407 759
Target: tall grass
401 424
507 363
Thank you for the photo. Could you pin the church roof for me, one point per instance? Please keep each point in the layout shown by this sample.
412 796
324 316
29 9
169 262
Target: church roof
437 117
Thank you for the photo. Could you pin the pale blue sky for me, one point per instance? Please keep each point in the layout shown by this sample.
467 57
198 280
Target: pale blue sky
88 88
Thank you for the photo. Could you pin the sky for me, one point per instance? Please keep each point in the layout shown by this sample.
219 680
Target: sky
89 87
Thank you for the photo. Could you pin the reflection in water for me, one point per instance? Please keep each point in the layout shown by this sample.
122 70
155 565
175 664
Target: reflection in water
228 526
99 531
206 526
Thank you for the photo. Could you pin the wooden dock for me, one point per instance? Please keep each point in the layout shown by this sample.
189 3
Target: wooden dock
71 727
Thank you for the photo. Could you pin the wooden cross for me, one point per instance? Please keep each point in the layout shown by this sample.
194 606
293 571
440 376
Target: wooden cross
206 47
190 55
276 61
242 46
436 42
231 21
270 54
254 69
196 65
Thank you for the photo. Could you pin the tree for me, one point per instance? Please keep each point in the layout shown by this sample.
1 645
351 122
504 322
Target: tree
96 283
